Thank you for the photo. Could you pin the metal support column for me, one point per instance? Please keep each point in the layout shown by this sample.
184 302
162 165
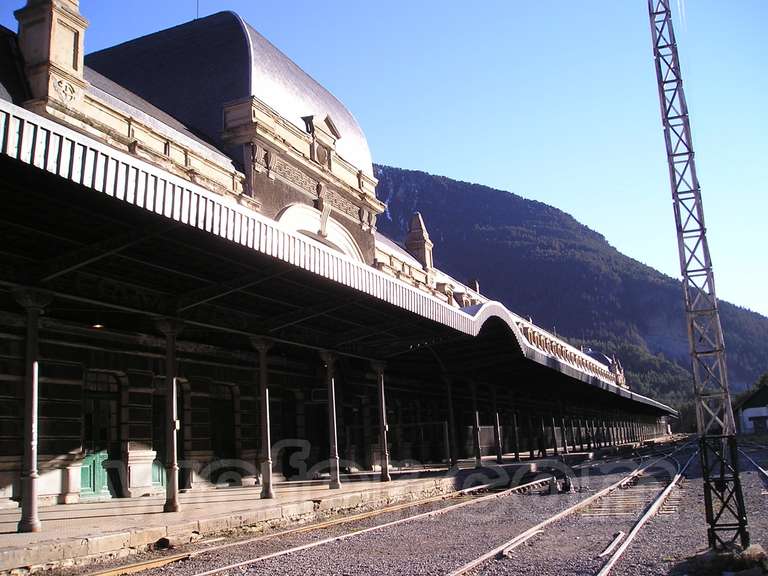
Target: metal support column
611 431
378 367
34 302
531 447
476 427
542 439
263 345
563 434
171 328
497 440
554 434
333 454
452 443
517 436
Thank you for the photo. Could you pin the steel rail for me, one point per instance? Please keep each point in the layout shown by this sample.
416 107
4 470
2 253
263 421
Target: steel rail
651 511
340 537
762 472
500 550
170 559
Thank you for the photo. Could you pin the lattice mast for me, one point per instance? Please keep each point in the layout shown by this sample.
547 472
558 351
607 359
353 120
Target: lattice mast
725 511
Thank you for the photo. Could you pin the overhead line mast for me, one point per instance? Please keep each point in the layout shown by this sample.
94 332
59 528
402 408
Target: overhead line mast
725 512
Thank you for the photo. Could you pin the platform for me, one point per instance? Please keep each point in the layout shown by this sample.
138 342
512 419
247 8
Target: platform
76 532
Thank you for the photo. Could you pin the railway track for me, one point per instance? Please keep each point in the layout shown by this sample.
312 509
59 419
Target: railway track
251 551
762 472
637 492
460 498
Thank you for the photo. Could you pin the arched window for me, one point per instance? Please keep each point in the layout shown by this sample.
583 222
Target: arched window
308 221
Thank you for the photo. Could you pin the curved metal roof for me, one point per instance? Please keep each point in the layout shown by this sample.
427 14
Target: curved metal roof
190 71
279 82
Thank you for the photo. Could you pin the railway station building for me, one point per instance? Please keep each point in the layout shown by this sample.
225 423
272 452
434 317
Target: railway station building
194 293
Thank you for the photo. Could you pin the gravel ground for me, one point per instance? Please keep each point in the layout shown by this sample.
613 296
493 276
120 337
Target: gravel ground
440 544
498 519
426 546
233 554
573 545
667 541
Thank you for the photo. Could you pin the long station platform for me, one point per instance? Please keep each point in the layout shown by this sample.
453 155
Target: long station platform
96 531
92 531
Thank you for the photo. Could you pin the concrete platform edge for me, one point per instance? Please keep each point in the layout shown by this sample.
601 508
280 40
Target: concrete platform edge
51 554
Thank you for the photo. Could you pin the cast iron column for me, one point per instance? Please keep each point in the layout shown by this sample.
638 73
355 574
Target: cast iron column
543 440
554 435
378 367
171 327
453 448
517 437
563 434
476 427
330 381
496 426
34 302
263 345
531 447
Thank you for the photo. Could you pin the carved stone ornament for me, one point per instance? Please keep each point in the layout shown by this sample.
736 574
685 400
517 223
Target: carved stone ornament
321 154
65 91
362 214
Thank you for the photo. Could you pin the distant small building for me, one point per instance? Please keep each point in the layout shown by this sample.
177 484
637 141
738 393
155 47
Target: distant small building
751 412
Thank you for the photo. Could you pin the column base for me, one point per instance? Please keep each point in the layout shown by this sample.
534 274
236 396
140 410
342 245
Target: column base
385 477
29 526
171 507
267 492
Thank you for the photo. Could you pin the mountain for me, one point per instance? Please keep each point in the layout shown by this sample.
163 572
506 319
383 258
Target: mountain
541 262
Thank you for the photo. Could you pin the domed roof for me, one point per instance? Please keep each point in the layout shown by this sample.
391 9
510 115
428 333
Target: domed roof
190 71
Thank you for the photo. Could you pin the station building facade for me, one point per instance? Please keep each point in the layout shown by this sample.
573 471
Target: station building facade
194 293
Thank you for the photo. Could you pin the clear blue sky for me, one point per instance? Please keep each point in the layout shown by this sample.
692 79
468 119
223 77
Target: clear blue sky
554 100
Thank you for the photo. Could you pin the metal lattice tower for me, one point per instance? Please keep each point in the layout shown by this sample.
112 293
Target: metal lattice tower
723 497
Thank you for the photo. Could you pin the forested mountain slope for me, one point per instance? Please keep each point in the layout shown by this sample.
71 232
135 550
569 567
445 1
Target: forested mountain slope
542 263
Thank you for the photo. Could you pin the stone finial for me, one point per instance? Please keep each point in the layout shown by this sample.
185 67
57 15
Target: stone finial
417 241
51 34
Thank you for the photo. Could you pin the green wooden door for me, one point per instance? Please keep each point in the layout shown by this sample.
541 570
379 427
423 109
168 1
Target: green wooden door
94 482
158 439
100 434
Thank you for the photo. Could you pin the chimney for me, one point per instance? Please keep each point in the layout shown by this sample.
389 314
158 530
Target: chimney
474 284
417 241
51 41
